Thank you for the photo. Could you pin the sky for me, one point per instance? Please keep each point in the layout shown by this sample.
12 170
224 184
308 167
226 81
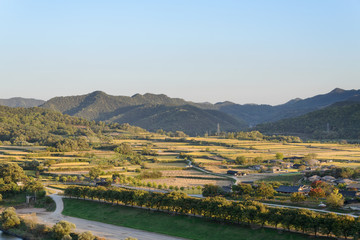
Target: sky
261 51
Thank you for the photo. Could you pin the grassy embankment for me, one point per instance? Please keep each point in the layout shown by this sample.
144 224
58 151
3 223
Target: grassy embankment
159 222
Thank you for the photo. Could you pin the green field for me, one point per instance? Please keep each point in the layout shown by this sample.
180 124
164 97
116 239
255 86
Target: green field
159 222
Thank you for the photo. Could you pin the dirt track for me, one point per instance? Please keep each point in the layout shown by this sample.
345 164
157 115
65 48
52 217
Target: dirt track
107 231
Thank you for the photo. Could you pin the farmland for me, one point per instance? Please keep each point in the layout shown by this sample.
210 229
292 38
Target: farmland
171 157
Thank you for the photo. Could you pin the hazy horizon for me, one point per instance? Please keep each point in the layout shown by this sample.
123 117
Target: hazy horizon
177 97
263 52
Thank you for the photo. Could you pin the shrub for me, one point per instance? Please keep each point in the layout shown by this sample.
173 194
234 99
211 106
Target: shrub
62 229
9 219
297 197
86 236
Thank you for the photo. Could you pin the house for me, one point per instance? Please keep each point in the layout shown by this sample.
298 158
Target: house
297 166
287 164
291 189
349 194
326 161
355 186
257 167
231 172
274 169
314 178
313 162
344 181
311 168
328 179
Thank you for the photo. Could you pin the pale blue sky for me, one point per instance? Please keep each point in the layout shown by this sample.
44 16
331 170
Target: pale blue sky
201 50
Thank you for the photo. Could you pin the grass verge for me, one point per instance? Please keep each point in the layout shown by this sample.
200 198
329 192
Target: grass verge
159 222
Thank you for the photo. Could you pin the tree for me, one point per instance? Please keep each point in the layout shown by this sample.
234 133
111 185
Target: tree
335 199
323 185
34 186
94 172
243 189
317 193
265 191
11 172
124 149
297 197
279 156
211 190
241 160
62 229
9 219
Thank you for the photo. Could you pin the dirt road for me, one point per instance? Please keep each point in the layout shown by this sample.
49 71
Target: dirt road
108 231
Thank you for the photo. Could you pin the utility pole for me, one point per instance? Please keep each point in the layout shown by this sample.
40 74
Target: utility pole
218 129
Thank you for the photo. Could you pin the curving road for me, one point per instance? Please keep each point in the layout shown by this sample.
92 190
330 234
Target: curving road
108 231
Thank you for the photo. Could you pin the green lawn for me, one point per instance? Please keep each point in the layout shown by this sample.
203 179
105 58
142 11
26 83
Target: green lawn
181 226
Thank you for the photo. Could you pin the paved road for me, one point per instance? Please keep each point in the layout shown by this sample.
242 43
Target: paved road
108 231
287 206
312 209
215 174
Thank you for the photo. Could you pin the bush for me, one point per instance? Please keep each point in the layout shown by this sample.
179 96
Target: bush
86 236
9 219
297 197
63 229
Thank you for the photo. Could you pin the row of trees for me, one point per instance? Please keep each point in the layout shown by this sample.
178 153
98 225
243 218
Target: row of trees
220 209
258 136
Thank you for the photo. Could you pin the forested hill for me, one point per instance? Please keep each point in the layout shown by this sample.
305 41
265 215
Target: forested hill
46 127
148 111
189 119
339 121
21 102
255 114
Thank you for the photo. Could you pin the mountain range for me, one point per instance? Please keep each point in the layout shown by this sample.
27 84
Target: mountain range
338 121
148 111
254 114
21 102
153 112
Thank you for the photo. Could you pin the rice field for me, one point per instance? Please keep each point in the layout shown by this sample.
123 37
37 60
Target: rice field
213 154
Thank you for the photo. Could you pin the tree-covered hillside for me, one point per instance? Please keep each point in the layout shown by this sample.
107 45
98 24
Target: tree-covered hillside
339 121
148 111
186 118
45 127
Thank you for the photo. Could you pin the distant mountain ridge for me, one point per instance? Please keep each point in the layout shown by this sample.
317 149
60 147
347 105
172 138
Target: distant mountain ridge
149 111
21 102
255 114
158 111
338 121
